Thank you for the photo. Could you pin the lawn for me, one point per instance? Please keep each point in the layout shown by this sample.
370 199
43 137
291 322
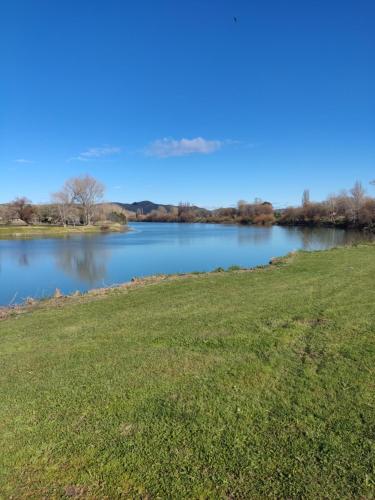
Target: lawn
48 230
224 385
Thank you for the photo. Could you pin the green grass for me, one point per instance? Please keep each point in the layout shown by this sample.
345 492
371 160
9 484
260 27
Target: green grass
45 230
227 385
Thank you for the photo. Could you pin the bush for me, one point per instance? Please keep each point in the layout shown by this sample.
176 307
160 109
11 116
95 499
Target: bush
264 219
234 268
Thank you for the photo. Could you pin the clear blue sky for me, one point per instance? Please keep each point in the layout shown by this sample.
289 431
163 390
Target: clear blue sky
174 100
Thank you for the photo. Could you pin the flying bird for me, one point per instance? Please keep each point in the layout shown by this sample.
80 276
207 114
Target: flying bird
235 19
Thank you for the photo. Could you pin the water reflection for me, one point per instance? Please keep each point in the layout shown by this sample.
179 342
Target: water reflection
85 261
320 237
37 267
23 259
260 236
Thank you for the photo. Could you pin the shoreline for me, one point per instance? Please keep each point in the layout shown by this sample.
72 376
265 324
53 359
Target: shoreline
58 299
8 232
312 225
265 377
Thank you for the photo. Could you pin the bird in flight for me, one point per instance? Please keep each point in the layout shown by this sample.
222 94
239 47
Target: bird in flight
235 19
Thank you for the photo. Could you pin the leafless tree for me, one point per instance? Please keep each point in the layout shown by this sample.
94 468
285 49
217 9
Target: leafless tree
22 209
63 202
185 212
6 213
306 198
332 207
86 192
358 197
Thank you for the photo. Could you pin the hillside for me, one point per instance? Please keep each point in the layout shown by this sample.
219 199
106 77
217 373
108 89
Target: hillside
146 207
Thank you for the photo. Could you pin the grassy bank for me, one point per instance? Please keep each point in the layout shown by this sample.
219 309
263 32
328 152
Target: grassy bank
45 230
236 384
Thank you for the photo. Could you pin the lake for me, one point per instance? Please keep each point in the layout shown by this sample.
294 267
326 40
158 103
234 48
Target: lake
36 267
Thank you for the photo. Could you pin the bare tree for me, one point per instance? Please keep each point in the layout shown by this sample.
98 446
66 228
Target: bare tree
86 192
306 198
332 207
63 202
185 213
6 213
358 198
22 209
358 192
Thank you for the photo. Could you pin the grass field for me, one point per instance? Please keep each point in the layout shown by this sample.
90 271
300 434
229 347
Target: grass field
225 385
45 230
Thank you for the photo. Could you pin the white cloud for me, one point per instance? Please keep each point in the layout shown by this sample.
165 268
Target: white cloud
167 147
96 153
22 160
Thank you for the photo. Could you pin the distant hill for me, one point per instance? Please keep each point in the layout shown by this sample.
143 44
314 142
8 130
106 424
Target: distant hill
145 207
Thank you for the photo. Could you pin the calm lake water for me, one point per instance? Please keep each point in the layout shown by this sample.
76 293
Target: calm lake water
36 267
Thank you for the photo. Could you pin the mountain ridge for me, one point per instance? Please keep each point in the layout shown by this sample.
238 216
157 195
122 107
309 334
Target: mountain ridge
146 206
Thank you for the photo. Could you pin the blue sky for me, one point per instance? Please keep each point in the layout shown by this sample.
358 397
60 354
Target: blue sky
175 101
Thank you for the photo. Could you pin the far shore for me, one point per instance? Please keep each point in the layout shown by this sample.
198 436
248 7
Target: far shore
9 231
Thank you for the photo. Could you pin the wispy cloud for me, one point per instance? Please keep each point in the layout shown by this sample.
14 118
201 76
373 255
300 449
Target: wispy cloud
23 160
96 153
167 147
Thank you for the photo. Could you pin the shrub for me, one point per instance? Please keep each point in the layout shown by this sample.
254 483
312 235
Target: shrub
234 268
264 219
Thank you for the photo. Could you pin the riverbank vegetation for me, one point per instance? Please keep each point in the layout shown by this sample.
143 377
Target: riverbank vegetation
11 231
259 212
76 208
348 209
200 387
79 203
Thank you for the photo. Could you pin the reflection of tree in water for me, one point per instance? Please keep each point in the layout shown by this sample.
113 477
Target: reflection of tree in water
353 236
253 235
84 259
319 237
23 259
21 256
323 237
189 234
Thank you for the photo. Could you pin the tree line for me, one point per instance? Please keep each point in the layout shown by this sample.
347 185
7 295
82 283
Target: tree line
77 203
353 208
258 212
